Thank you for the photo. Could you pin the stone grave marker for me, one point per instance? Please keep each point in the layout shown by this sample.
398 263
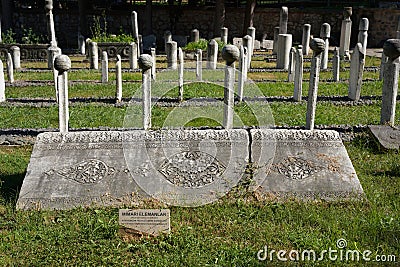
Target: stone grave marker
318 46
387 136
124 168
284 46
298 74
302 164
356 72
230 54
305 41
146 64
391 48
345 33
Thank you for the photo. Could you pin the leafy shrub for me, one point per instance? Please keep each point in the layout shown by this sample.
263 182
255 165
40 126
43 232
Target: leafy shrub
29 37
202 44
100 35
8 37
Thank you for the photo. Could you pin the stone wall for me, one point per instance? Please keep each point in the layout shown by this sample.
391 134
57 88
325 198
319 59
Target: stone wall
181 21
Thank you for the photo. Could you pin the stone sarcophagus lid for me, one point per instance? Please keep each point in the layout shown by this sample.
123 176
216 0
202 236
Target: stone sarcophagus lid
28 51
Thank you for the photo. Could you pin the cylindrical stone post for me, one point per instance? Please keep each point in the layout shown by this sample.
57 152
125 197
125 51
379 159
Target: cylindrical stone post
384 59
94 56
283 20
10 68
336 65
140 45
81 44
87 45
242 71
16 56
167 38
305 40
172 51
252 32
230 54
145 63
391 48
247 43
104 67
2 84
325 34
285 43
224 35
195 35
62 64
180 73
356 72
345 33
212 55
363 32
199 58
153 68
275 44
50 22
52 52
135 28
298 75
318 46
292 64
118 79
133 56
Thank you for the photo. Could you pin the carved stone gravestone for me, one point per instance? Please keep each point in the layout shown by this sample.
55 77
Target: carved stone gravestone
122 168
306 165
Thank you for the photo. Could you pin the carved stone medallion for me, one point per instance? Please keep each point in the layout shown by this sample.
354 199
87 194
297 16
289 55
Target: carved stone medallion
86 172
296 168
191 169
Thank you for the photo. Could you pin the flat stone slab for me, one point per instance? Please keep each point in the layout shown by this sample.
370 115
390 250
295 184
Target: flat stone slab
122 168
303 164
387 136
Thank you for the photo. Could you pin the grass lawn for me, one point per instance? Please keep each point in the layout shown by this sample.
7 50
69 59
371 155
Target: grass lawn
229 232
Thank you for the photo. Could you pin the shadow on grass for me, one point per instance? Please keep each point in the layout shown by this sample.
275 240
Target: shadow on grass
10 186
367 142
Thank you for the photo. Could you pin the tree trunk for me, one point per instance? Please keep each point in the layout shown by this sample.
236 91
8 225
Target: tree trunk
249 15
219 17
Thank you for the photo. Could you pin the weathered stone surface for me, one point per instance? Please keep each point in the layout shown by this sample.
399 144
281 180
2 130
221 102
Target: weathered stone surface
230 54
391 48
303 164
356 72
267 44
284 46
110 168
317 45
237 41
113 49
387 136
62 63
147 221
145 62
305 41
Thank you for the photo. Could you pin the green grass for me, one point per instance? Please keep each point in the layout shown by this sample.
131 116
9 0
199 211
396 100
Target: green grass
229 232
284 113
